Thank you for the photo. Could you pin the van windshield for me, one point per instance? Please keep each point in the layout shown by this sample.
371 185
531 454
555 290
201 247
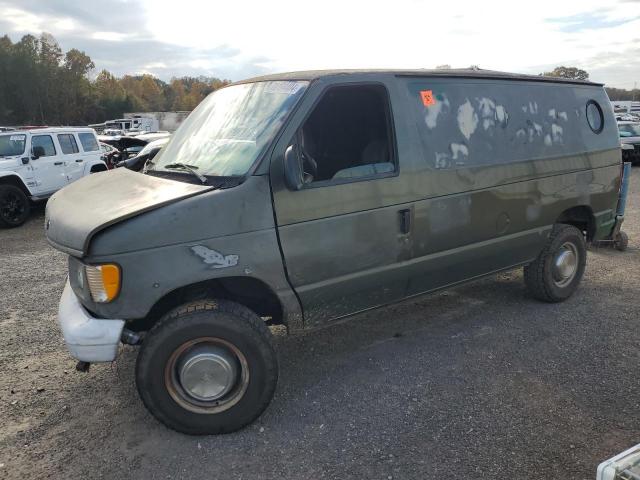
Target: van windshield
12 145
227 132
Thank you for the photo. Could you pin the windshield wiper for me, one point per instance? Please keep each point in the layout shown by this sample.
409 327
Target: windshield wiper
189 168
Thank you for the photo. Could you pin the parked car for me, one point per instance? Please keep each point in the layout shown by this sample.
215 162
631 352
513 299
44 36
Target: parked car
630 135
34 164
149 151
307 197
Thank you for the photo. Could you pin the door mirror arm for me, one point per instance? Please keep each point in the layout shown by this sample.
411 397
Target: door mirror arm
293 168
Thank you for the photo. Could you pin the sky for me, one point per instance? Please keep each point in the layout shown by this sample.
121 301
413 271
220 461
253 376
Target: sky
236 39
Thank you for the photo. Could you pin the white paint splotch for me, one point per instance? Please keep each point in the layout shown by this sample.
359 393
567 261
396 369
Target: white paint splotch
467 119
433 111
459 150
556 133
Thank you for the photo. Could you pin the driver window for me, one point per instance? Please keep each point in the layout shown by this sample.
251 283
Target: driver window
46 142
348 135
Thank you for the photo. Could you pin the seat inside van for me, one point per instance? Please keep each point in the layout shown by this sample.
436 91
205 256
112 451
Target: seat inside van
348 135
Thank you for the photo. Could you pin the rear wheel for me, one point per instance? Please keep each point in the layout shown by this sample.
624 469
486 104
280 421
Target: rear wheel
556 273
207 368
14 206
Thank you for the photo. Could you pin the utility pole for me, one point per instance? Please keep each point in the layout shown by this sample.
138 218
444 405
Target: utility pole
633 95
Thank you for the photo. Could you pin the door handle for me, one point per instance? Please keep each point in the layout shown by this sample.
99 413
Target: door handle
79 160
405 220
58 163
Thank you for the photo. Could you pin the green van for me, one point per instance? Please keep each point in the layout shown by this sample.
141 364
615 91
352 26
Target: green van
306 197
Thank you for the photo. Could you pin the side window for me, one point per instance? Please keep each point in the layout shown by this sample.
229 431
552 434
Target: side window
46 142
68 143
348 135
88 141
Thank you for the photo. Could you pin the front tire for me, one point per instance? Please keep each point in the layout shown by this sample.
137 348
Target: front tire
556 273
207 368
14 206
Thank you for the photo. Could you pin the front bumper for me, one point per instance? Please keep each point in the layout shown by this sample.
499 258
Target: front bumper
88 339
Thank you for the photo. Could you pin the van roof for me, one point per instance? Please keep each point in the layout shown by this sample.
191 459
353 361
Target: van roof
36 130
453 72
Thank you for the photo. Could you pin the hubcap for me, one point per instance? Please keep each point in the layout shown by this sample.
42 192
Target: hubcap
207 372
206 375
565 264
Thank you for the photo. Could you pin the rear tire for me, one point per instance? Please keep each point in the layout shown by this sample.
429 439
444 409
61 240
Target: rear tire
14 206
207 367
556 273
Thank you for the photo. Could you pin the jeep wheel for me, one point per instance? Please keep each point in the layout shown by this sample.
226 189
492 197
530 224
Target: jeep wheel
556 273
14 206
207 368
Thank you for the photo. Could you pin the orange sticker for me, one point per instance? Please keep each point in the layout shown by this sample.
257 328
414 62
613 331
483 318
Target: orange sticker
427 97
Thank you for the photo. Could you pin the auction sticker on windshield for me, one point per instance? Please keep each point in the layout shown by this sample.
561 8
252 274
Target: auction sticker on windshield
287 88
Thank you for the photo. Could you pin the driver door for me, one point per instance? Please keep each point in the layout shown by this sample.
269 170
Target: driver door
341 234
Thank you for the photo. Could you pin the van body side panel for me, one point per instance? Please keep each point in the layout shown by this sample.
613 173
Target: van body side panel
501 162
469 234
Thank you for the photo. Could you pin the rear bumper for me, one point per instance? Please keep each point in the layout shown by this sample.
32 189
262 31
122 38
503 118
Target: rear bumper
88 339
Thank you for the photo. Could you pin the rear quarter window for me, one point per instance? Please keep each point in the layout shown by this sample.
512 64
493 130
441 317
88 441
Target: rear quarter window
89 142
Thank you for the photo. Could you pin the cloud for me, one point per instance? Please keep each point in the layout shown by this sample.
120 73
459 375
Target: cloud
117 39
589 21
236 40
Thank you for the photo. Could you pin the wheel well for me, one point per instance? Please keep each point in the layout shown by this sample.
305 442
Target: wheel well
580 217
99 167
15 181
250 292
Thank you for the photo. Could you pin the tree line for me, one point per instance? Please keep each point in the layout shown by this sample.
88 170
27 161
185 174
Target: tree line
579 74
42 85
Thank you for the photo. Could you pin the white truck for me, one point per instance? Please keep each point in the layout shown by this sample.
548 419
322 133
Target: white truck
36 163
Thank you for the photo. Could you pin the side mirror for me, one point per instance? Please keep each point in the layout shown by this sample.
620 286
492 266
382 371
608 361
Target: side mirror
37 152
292 169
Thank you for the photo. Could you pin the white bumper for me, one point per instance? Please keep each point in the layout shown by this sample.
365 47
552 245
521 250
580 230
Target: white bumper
88 339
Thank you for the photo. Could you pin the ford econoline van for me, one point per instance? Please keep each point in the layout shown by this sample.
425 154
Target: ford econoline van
36 163
306 197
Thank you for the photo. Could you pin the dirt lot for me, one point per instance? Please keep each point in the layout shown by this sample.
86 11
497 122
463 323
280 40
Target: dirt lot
477 382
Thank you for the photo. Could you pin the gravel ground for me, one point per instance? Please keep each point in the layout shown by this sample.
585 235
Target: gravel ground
480 381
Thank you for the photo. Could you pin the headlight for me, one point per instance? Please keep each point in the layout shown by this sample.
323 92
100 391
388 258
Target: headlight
104 281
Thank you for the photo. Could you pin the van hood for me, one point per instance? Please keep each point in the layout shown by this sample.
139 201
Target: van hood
80 210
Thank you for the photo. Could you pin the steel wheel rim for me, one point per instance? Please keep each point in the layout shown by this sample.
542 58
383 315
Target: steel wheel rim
11 207
565 264
189 385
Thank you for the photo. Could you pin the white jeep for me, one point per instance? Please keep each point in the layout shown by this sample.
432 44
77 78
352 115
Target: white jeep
36 163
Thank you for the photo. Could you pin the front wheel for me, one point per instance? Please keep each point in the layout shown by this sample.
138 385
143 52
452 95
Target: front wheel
207 368
14 206
556 273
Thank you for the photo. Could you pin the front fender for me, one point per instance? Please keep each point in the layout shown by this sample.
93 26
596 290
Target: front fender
150 274
13 177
